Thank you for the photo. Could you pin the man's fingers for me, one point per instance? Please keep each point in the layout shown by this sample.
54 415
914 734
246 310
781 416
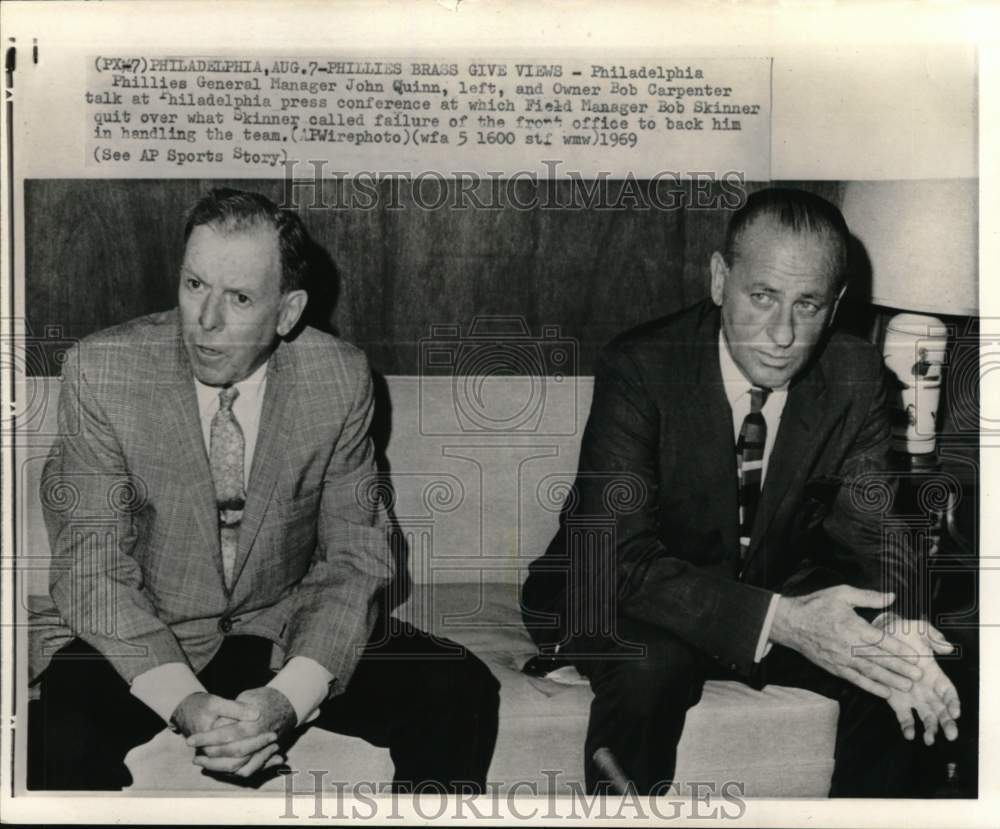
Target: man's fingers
930 723
863 682
942 717
874 670
905 716
220 764
929 719
938 642
946 707
885 650
866 598
949 696
255 763
893 664
274 760
239 766
890 644
220 736
223 707
891 654
240 748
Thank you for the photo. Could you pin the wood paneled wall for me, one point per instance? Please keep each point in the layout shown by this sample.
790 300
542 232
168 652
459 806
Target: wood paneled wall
100 252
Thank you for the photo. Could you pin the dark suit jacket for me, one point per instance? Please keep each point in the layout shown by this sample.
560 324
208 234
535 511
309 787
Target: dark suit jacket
651 528
128 499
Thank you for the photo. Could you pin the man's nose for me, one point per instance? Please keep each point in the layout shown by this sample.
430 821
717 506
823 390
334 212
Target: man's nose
211 316
782 328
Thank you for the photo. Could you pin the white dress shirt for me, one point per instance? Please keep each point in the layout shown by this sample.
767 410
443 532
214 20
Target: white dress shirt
302 680
737 388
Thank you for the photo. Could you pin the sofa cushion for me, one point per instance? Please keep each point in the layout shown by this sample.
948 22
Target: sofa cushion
772 743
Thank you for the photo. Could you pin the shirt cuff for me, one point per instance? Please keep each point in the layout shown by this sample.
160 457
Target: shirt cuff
305 683
165 687
764 643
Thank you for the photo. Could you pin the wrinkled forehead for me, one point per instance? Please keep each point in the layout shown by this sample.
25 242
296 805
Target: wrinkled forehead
767 248
244 251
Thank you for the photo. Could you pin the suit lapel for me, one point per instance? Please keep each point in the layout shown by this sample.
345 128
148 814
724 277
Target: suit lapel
794 444
179 401
270 451
711 430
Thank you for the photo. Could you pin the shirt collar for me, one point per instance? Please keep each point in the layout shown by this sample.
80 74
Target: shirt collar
252 385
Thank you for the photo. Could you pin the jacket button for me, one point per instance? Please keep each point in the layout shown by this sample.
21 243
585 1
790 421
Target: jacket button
225 624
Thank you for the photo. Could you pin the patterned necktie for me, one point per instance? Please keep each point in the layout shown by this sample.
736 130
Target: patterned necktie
226 448
750 463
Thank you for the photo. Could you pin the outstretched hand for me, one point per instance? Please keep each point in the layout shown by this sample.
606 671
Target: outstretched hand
933 698
824 627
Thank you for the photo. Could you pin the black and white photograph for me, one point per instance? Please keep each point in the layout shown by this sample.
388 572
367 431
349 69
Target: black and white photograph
462 431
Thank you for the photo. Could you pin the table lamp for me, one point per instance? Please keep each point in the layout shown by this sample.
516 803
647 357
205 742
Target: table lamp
920 238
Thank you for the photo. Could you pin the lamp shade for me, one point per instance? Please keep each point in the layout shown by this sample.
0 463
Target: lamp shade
921 240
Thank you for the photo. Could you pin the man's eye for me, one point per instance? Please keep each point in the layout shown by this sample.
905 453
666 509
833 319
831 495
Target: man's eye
242 299
192 283
761 298
809 308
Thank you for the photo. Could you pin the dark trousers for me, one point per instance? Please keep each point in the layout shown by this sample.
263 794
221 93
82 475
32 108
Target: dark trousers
430 702
640 705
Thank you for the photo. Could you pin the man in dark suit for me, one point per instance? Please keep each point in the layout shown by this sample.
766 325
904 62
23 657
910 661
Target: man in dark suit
218 563
702 539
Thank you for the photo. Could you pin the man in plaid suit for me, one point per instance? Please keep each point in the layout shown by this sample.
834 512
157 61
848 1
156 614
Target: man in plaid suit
236 591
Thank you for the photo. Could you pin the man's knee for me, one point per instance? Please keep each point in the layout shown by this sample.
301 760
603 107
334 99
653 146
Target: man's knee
79 672
666 673
83 723
460 684
471 683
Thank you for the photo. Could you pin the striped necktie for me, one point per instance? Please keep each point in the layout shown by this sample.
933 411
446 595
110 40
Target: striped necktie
226 447
750 463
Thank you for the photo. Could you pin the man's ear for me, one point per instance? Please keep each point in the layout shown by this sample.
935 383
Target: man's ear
719 270
292 305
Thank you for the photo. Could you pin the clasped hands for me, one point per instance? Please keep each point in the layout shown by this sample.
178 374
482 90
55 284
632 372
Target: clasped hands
238 737
892 658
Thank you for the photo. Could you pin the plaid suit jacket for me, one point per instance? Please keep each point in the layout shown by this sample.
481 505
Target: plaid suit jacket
130 508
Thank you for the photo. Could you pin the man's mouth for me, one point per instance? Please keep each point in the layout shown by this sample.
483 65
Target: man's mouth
207 353
774 362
